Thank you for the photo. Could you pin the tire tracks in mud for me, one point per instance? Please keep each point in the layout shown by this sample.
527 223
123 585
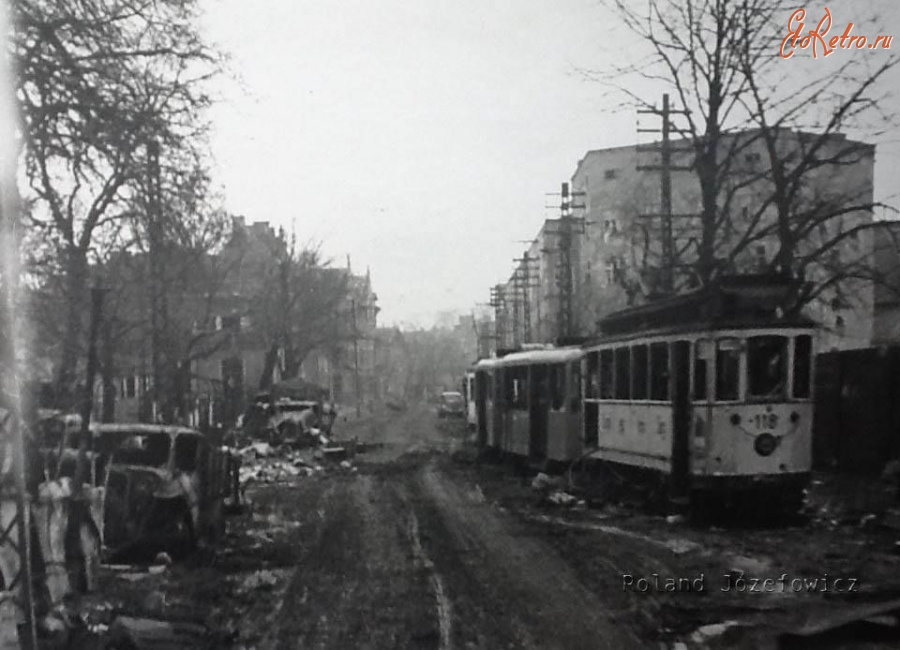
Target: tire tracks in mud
508 589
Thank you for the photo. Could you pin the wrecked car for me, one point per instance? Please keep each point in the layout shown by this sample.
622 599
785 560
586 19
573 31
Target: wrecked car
451 405
165 487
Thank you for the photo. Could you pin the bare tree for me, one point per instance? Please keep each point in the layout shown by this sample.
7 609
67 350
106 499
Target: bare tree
301 303
722 61
98 82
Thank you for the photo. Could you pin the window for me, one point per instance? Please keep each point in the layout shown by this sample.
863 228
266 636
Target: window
728 369
639 367
129 387
606 375
802 366
592 383
767 367
659 372
623 373
609 174
610 272
556 377
575 392
703 353
186 452
517 388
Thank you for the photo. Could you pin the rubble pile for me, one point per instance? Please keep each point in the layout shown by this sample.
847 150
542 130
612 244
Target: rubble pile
262 462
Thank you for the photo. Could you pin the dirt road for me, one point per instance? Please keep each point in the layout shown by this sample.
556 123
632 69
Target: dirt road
417 544
402 555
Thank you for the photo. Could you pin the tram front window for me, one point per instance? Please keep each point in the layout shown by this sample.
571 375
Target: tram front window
728 366
767 367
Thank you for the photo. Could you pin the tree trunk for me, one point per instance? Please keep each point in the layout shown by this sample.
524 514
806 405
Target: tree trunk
265 379
76 284
108 375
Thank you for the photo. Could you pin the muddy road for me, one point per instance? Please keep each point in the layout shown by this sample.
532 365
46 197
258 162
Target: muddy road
404 554
417 543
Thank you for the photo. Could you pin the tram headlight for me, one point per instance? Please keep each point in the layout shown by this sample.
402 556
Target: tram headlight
765 444
735 418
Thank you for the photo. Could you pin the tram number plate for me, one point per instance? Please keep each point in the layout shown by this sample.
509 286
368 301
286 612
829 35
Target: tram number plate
765 421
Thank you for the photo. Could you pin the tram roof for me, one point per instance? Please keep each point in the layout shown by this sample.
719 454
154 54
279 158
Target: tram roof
734 302
551 355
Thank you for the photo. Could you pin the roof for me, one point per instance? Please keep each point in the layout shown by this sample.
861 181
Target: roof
741 301
551 355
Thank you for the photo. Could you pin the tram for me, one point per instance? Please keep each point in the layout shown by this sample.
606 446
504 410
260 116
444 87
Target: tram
468 391
535 404
709 392
712 390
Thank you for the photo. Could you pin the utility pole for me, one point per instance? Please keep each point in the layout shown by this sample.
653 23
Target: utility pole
569 226
498 302
667 266
522 283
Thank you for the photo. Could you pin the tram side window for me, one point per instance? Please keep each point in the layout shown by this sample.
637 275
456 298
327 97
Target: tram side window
703 353
623 373
557 380
802 366
728 369
767 367
659 372
575 387
639 366
516 392
606 375
592 387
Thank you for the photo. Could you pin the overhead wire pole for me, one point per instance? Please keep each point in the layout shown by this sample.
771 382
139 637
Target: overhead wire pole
667 266
524 285
569 226
498 302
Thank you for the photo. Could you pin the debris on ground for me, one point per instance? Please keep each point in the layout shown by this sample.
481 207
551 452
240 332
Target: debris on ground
560 498
546 483
140 633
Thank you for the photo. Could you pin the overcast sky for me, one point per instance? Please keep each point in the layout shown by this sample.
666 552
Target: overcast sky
420 137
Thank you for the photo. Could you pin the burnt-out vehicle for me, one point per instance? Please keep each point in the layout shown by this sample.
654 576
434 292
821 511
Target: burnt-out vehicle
165 487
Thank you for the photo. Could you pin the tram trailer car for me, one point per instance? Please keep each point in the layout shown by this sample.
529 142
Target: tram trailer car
468 392
487 417
721 402
534 403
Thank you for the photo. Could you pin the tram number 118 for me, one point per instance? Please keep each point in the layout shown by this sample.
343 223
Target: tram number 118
766 420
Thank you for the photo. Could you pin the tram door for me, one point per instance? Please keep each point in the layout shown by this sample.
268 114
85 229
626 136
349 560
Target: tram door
680 354
538 405
481 396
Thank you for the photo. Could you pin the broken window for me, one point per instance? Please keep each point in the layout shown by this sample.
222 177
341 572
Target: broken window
186 452
592 384
556 375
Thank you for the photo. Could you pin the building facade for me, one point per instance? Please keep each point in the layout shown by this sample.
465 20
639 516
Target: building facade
608 254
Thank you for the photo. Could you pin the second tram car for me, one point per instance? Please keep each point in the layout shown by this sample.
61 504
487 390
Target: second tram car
536 404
